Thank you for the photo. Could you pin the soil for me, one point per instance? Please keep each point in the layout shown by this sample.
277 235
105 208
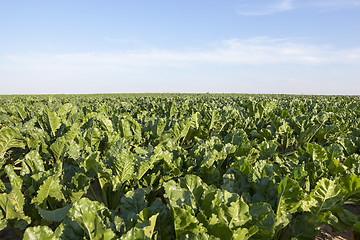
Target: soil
326 233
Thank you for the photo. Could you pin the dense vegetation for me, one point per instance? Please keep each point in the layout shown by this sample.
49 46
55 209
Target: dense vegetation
178 166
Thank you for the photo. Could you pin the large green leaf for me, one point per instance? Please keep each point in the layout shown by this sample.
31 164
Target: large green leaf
123 168
10 137
134 234
15 181
178 196
54 121
132 204
351 185
185 222
87 219
58 148
164 222
50 188
147 222
194 185
222 231
21 111
32 163
317 152
264 218
12 204
304 227
290 197
324 197
39 233
126 129
56 215
265 191
236 182
221 212
64 110
235 214
3 222
93 136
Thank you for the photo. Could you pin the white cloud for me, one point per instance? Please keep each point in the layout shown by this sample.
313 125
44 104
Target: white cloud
250 65
253 51
267 9
335 4
253 8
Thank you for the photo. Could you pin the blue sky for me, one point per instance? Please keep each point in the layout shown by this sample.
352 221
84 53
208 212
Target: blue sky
243 46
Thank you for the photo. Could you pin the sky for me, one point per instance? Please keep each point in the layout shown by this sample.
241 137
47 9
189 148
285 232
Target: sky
233 46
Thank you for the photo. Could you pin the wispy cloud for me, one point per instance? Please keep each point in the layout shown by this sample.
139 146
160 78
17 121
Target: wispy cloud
256 8
252 51
335 4
235 62
252 9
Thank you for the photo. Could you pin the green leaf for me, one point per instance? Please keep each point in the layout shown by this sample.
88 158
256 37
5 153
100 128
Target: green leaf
58 148
93 137
54 122
56 215
87 219
123 167
3 222
15 181
39 232
174 193
236 182
164 222
221 230
351 185
32 163
126 129
317 152
35 137
344 219
264 218
9 138
134 234
236 214
132 204
73 150
64 110
21 111
146 222
185 222
290 196
50 188
325 196
195 186
92 165
265 191
304 227
244 233
12 205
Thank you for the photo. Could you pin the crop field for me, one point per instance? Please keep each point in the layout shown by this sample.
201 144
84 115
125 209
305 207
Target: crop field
179 166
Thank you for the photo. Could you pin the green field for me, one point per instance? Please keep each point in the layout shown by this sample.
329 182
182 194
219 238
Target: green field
178 166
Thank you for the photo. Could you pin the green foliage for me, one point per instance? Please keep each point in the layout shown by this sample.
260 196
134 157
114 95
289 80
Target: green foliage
39 232
10 138
50 188
173 166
